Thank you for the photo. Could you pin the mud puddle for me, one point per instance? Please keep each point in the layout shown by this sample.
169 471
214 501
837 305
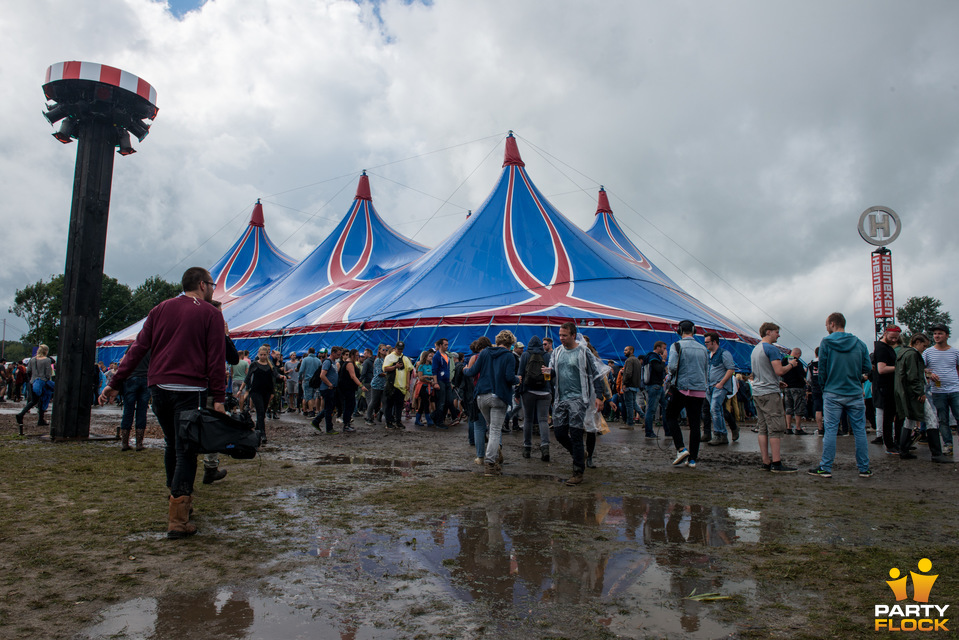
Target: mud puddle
528 567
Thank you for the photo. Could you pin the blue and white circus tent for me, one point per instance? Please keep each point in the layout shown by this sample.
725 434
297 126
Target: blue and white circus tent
251 265
517 263
607 232
304 307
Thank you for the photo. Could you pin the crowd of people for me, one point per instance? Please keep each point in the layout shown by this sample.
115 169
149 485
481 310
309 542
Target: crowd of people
562 393
691 385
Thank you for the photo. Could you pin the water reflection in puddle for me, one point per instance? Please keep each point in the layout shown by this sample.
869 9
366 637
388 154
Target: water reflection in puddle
222 614
528 557
541 564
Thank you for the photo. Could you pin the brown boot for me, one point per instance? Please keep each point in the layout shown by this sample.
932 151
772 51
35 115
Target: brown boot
575 479
179 521
124 439
139 439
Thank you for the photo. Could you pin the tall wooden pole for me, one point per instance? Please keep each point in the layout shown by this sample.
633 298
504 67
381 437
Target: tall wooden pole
83 280
101 107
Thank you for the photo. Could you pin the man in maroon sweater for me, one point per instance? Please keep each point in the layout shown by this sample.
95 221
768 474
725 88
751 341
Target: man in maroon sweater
184 336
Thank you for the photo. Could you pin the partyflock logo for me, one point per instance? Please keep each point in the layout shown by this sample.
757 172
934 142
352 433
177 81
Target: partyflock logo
912 617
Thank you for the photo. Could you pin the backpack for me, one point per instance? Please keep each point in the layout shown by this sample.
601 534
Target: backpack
315 379
533 376
647 373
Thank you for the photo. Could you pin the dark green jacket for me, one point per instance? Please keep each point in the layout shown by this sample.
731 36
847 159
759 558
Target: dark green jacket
910 384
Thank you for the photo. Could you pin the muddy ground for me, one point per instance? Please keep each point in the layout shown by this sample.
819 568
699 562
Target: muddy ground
383 534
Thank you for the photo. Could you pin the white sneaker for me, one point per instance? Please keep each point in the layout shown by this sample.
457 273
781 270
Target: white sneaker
477 461
682 455
691 464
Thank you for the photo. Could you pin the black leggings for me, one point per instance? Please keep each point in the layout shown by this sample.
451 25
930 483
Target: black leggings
348 399
259 404
394 405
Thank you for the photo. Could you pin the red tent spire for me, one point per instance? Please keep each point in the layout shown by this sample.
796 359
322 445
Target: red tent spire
256 219
512 153
363 188
603 206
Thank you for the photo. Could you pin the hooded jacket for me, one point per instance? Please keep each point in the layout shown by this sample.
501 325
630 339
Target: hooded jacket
843 359
657 369
910 384
496 367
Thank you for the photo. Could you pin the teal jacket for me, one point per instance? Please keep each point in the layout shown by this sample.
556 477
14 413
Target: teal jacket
843 359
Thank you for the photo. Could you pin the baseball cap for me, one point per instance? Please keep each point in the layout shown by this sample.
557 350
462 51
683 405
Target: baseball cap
939 327
324 350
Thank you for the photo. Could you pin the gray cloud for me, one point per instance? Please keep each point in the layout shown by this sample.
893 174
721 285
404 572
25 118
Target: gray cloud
751 133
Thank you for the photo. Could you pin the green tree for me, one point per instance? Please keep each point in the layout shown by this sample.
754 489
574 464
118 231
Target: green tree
152 292
919 313
16 351
41 303
33 304
116 307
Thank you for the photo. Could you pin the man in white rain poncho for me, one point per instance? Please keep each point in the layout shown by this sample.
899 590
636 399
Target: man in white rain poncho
578 403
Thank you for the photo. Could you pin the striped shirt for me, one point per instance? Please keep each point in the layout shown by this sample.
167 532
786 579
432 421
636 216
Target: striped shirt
944 364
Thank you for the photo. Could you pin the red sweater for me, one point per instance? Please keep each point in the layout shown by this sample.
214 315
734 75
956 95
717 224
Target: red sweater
185 338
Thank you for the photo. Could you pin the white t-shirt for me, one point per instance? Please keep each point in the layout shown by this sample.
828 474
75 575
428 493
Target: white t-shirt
943 364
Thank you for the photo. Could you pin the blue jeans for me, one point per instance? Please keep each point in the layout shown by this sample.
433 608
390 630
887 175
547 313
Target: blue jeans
494 413
944 403
855 406
136 397
478 429
716 399
630 394
329 408
655 394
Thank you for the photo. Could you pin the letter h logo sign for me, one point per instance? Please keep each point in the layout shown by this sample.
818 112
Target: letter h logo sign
879 222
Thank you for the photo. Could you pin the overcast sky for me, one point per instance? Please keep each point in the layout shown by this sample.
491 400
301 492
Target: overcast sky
739 141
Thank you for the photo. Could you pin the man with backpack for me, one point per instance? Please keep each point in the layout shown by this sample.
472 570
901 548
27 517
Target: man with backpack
688 365
328 374
308 366
535 392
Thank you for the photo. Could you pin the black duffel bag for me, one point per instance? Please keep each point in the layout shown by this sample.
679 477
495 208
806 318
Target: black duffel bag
214 432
